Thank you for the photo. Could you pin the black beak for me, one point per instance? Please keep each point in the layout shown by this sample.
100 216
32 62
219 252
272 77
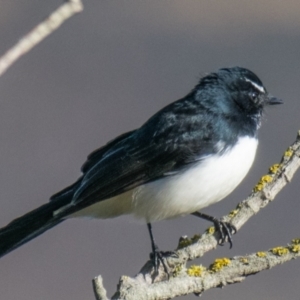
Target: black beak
271 100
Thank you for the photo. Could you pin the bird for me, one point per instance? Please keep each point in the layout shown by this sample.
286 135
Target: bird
190 154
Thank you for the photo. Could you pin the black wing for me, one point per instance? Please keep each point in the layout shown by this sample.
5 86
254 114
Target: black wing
167 143
92 159
97 155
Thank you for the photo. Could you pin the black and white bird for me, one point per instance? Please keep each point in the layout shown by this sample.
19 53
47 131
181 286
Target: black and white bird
190 154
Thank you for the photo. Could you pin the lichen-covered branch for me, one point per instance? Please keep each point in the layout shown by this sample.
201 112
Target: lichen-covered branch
198 279
147 286
39 33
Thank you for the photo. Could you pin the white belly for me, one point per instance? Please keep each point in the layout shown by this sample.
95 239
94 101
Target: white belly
205 183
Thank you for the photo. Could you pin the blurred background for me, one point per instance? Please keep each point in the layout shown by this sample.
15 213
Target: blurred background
106 71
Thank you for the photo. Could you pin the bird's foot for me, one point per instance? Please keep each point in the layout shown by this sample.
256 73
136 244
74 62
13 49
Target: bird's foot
226 230
159 258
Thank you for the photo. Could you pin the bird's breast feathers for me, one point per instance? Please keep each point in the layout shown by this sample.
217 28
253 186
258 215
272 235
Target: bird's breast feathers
201 184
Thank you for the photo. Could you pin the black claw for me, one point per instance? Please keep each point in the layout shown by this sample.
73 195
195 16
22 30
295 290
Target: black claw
226 231
158 257
171 253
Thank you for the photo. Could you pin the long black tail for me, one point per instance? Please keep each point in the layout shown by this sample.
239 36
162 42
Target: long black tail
29 226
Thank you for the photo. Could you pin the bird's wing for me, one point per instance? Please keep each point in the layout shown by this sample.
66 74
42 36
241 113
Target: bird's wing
163 146
92 159
123 167
96 155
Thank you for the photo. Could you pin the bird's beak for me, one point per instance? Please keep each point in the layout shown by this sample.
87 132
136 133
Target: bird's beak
271 100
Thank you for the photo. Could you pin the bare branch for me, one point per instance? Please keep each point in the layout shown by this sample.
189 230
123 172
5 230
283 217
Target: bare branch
39 33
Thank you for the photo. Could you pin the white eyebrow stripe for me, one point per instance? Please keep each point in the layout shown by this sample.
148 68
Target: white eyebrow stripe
258 87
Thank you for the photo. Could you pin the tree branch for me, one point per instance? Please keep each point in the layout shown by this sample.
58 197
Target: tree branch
198 279
39 33
147 286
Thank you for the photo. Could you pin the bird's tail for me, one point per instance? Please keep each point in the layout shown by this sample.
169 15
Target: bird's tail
31 225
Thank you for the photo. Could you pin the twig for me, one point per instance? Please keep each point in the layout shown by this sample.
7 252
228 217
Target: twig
99 290
39 33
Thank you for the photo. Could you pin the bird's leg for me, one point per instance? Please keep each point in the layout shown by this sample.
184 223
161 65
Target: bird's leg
224 228
156 256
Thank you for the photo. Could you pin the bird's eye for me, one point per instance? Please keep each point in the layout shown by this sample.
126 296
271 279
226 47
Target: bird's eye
253 95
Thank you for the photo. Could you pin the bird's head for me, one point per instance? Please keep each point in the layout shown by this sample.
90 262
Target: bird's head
245 89
234 91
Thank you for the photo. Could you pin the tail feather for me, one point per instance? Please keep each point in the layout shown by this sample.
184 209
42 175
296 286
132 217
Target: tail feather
29 226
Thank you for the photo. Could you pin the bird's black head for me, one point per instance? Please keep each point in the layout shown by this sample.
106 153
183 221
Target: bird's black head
237 96
237 89
246 89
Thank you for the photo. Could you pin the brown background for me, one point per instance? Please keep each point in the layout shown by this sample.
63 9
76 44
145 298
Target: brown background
105 72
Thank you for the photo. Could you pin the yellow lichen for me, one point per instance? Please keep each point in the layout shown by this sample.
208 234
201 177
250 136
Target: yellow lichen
295 248
259 187
262 182
261 254
288 153
211 230
233 213
195 271
266 179
244 260
184 242
219 263
177 270
239 206
296 241
195 238
280 251
274 169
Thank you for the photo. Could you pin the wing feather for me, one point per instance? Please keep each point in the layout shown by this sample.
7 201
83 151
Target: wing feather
165 145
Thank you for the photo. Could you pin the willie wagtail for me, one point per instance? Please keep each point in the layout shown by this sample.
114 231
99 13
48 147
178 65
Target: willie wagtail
190 154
